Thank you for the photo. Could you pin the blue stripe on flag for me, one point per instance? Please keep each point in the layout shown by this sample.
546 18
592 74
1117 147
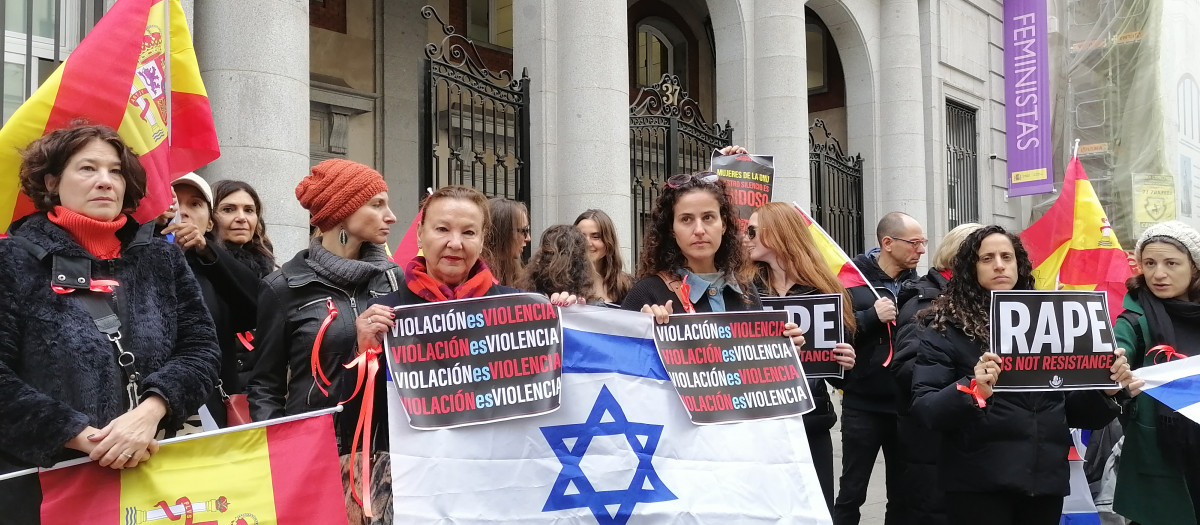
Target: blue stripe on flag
1082 518
591 353
1179 393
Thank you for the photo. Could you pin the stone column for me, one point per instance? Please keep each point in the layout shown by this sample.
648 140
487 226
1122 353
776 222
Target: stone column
577 54
256 74
781 96
903 178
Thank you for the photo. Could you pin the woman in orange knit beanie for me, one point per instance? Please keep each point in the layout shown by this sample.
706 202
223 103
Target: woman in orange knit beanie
307 310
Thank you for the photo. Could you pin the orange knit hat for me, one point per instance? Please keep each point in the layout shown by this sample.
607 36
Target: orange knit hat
336 189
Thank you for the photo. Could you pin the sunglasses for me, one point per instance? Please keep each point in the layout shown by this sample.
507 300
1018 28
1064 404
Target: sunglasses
683 179
751 232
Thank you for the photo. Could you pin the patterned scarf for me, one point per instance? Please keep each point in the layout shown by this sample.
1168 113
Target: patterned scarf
478 282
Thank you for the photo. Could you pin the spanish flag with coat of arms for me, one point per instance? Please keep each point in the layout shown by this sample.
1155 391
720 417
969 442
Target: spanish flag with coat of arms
1073 244
284 473
136 72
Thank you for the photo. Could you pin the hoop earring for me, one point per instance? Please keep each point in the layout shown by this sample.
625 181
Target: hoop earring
343 237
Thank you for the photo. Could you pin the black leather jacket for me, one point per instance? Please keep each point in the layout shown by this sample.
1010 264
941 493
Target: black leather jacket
292 305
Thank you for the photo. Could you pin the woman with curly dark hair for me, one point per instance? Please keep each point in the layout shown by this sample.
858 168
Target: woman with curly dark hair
1003 458
692 240
611 282
560 264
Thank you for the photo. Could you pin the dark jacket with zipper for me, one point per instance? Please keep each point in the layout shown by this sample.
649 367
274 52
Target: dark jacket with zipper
59 374
293 303
870 385
1018 443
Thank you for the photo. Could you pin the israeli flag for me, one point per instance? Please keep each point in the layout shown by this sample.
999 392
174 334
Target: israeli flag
1175 384
1078 507
620 450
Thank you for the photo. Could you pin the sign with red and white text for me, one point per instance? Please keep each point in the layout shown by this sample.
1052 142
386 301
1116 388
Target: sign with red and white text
1052 340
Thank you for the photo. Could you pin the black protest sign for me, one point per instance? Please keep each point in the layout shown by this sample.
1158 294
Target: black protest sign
1052 340
476 361
749 179
734 366
820 318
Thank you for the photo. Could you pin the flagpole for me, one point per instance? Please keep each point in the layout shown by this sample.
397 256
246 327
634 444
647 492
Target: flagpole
1075 151
167 73
189 437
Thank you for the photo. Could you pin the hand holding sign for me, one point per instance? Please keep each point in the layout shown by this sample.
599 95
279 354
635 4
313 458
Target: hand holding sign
1121 373
793 331
662 314
987 372
372 324
844 355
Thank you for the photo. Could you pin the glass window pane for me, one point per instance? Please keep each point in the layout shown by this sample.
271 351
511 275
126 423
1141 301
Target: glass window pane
815 39
43 16
478 27
14 88
503 23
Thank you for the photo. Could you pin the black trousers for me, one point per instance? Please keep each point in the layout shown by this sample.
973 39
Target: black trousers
820 444
863 435
1003 508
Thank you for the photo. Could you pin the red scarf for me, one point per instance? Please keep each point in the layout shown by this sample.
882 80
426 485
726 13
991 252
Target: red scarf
99 238
947 273
478 282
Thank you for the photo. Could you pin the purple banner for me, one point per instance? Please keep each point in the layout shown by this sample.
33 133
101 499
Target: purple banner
1027 98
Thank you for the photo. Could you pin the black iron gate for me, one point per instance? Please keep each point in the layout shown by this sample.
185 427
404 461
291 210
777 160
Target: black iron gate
667 135
474 122
837 188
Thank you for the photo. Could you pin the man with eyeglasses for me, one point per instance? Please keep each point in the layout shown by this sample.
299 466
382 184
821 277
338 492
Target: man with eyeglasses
869 403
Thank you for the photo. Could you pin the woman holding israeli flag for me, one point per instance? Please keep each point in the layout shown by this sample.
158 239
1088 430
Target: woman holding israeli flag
1004 456
1159 477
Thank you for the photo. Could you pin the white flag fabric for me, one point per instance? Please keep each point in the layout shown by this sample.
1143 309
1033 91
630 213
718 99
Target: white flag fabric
620 450
1175 384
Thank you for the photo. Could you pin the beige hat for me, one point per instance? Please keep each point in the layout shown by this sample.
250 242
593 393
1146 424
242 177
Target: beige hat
193 180
1178 231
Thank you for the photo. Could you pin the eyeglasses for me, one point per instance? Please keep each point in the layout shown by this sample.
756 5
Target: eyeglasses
920 243
524 231
682 179
751 232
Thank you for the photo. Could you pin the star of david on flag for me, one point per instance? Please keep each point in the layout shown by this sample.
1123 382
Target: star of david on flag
606 419
619 450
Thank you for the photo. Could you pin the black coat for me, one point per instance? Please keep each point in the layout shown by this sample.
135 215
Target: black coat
291 309
652 290
58 373
915 296
231 293
869 385
1018 443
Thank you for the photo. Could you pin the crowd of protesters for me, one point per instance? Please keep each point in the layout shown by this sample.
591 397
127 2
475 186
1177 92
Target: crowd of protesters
113 334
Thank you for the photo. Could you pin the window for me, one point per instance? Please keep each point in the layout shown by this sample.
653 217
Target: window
38 36
661 49
962 167
490 21
818 70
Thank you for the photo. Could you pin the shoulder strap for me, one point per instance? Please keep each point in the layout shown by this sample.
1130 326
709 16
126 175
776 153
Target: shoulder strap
675 284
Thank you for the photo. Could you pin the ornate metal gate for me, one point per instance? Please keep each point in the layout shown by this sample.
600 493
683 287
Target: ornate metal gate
837 194
667 135
474 122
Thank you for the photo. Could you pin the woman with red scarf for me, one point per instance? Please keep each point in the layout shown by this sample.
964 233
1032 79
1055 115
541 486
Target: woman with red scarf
453 226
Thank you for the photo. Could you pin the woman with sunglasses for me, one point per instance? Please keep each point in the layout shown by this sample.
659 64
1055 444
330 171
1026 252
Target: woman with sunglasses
692 241
789 264
506 239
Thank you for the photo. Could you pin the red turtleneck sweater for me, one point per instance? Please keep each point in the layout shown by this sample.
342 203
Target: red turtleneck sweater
99 238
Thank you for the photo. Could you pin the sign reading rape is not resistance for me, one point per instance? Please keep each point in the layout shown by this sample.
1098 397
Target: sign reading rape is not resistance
1052 340
475 361
734 366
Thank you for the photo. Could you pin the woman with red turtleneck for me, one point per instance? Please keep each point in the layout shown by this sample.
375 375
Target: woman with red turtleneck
68 390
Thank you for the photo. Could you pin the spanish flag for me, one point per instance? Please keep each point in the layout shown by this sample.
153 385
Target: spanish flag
839 263
1073 244
408 248
284 473
121 76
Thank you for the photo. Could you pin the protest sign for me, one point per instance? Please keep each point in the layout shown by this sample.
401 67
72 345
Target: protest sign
1052 340
476 361
734 366
820 318
749 179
